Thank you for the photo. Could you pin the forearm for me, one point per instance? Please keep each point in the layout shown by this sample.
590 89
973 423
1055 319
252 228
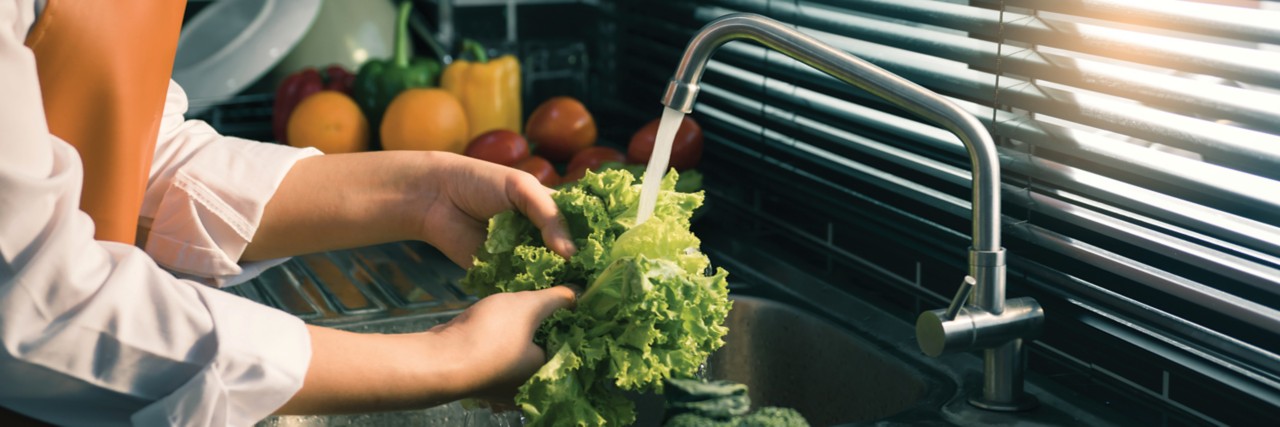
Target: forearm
351 372
342 201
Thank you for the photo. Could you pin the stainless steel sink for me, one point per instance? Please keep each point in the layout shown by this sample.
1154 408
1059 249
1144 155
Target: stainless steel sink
786 356
790 358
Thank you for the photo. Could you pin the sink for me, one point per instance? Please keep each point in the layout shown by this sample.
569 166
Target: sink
790 358
786 356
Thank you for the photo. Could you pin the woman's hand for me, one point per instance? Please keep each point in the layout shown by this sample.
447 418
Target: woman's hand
487 351
462 193
496 335
349 200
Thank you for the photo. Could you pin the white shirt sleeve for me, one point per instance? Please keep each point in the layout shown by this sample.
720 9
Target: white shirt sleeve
95 333
206 195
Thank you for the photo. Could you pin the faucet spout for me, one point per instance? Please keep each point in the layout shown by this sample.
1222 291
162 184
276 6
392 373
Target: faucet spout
989 326
683 89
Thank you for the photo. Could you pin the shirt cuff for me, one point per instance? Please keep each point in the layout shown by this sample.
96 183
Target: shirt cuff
262 358
213 206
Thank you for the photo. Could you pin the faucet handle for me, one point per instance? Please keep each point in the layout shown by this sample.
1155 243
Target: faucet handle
962 296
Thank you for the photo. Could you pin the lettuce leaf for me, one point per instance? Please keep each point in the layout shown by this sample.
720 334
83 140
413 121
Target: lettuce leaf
690 180
649 311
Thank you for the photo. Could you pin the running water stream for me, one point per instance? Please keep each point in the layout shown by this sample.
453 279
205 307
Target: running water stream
658 161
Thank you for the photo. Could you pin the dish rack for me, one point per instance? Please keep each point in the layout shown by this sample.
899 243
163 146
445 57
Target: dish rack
410 282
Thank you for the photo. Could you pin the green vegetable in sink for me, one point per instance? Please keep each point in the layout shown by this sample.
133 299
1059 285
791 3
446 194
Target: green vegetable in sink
716 399
768 416
648 312
693 403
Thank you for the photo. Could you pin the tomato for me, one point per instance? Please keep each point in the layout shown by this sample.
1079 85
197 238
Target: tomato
560 127
591 158
686 149
573 175
540 168
499 146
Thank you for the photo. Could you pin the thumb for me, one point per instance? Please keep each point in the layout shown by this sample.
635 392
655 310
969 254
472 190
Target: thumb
555 298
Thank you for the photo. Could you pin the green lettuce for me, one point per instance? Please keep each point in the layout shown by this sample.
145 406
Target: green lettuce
690 181
649 311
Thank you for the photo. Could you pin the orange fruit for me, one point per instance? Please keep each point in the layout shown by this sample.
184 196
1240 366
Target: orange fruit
425 119
330 121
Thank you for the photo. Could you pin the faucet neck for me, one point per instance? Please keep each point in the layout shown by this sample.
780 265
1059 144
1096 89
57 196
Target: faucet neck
683 89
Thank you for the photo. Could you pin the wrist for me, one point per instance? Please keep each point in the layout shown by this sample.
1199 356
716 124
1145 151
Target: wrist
416 188
429 186
442 359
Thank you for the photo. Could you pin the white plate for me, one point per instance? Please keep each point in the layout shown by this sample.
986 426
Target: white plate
231 43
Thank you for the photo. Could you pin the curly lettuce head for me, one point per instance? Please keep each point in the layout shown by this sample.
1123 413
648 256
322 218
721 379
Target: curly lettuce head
649 311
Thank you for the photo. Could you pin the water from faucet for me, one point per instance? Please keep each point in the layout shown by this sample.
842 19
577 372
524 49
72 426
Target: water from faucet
658 160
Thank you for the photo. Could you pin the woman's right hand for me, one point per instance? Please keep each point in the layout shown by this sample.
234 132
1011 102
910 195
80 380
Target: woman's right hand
486 352
497 335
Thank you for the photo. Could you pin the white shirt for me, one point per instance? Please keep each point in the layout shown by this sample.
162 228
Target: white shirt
100 333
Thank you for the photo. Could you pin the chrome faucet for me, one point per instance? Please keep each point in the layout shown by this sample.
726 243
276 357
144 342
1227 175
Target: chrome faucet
996 326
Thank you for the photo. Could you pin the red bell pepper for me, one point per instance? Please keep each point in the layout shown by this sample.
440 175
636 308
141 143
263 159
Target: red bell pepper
298 86
292 90
339 79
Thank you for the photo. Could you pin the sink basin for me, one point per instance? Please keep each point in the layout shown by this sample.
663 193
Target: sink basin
786 357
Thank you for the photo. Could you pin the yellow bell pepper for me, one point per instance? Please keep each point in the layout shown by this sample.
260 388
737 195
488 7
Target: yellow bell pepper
488 89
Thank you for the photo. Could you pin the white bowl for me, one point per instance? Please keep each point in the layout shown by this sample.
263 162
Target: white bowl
346 33
231 43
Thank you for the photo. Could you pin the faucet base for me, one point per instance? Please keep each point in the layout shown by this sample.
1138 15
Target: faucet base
1021 403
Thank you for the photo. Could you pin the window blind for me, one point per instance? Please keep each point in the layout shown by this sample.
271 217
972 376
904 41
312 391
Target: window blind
1140 142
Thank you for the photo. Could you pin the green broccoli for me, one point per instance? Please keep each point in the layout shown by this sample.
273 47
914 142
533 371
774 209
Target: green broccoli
721 404
769 416
772 416
690 419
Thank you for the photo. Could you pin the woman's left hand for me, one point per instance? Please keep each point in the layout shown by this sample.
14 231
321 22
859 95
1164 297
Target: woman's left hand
350 200
462 193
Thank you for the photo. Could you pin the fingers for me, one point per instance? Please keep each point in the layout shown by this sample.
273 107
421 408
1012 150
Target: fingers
467 240
554 298
577 292
534 201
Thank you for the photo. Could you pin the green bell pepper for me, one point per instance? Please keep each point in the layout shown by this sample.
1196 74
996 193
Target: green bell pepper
379 81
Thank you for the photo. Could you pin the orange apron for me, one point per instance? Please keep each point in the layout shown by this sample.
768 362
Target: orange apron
104 71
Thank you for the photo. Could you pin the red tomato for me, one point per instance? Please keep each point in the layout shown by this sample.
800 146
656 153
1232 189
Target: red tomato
686 149
540 168
592 157
573 175
499 146
560 127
